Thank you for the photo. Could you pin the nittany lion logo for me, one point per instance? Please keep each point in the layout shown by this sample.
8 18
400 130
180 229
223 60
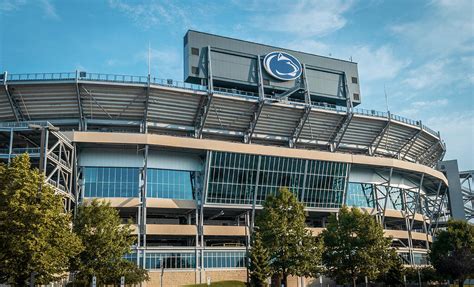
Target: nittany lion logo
282 66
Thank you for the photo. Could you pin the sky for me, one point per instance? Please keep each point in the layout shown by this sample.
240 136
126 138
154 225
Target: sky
419 53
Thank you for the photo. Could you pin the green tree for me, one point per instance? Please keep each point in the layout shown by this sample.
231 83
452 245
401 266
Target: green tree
292 248
426 274
259 265
452 252
394 275
35 231
106 241
355 246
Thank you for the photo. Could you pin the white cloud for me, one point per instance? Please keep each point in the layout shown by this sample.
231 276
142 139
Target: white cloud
431 74
447 28
457 130
151 13
11 5
417 108
164 63
310 46
377 63
305 18
49 10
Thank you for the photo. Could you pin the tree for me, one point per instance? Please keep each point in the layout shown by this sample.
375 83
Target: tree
292 249
425 274
105 241
35 231
394 275
452 252
259 265
355 246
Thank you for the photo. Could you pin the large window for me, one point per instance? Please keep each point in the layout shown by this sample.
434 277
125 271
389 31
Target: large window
360 195
325 184
175 184
233 179
224 259
111 181
418 258
170 260
132 257
276 172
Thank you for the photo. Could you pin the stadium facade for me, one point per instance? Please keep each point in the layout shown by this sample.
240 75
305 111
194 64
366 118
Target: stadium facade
191 162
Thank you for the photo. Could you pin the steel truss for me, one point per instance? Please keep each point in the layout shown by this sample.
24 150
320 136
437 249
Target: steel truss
467 189
431 205
49 150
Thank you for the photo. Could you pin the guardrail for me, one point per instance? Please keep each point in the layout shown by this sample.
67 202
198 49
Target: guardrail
24 124
372 113
42 76
114 78
405 120
20 150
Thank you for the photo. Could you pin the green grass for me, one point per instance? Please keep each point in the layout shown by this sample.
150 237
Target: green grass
221 284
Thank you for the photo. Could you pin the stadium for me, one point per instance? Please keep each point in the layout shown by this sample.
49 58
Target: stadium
191 162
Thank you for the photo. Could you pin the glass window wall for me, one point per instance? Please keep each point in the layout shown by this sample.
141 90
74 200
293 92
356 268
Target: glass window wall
233 179
360 195
156 260
175 184
224 259
110 182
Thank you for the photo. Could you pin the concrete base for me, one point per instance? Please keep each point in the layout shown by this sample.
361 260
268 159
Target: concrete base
178 278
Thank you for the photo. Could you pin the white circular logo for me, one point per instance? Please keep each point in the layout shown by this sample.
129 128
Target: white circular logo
282 66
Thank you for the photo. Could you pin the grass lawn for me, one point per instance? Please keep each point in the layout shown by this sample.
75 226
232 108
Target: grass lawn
221 284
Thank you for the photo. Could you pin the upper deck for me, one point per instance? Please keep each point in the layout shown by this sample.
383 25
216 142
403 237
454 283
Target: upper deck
122 103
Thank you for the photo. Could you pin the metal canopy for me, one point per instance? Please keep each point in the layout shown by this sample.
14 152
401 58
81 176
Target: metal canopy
175 108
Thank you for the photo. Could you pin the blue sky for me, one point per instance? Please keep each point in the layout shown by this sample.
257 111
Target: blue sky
422 52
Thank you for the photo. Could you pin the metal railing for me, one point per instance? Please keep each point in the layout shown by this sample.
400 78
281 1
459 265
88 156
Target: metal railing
405 120
24 124
112 78
233 92
42 76
177 84
17 151
372 113
115 78
434 133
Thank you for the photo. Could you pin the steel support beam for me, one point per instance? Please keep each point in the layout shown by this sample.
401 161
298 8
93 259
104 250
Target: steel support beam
307 95
206 101
261 89
97 103
340 131
259 106
388 190
305 115
428 152
346 93
15 109
254 121
288 93
376 143
254 201
299 127
143 203
79 103
10 145
147 100
409 144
